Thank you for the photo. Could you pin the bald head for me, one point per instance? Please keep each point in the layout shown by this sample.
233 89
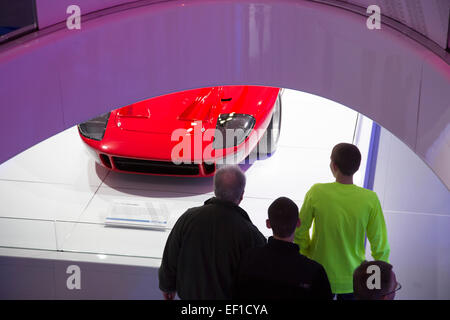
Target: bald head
229 184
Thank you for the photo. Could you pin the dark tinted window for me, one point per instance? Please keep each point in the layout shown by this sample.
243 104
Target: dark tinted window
17 17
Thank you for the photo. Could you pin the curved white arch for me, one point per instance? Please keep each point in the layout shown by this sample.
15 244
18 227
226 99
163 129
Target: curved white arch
56 78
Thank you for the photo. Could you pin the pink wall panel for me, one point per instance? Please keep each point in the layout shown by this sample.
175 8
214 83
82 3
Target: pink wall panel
433 131
129 55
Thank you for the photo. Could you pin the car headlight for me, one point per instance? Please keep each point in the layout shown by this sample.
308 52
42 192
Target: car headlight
232 129
95 128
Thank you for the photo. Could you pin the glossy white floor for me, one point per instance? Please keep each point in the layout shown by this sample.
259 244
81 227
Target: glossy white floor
54 197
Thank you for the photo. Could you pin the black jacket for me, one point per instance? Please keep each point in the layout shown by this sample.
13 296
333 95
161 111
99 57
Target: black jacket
203 250
279 271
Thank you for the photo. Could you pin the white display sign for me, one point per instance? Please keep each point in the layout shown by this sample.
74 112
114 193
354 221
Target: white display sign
137 214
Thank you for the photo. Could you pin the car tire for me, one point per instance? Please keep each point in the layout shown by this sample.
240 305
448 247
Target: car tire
269 141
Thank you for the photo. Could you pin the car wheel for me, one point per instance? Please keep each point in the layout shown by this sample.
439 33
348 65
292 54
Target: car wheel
268 143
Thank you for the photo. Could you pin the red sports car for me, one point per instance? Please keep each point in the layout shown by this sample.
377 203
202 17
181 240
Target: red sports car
187 133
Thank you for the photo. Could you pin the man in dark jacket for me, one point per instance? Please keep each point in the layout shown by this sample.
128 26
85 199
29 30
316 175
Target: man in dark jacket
204 247
278 270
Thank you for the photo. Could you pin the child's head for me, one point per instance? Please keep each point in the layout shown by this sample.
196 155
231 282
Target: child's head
346 158
375 280
283 217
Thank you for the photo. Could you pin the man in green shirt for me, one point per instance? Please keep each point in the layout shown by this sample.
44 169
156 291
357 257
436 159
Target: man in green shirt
343 214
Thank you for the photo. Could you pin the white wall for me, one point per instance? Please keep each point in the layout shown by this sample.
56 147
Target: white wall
416 206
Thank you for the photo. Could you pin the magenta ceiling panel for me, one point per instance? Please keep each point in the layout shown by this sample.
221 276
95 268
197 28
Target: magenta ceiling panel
50 12
428 17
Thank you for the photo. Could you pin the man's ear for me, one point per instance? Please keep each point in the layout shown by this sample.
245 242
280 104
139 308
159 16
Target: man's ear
331 167
240 199
299 223
335 167
268 224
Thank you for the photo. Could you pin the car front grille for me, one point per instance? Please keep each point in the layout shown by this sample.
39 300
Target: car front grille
155 167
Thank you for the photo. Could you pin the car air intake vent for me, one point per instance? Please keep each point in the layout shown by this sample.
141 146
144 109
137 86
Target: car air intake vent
155 167
209 168
105 160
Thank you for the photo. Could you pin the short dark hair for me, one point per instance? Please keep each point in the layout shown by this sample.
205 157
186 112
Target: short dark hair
283 216
361 290
346 157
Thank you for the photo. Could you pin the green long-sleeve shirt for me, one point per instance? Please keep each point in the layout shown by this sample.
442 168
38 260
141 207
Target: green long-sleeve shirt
342 214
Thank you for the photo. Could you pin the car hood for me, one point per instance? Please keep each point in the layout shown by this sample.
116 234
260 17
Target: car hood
183 110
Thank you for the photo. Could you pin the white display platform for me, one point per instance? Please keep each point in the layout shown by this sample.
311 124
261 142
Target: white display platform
55 198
